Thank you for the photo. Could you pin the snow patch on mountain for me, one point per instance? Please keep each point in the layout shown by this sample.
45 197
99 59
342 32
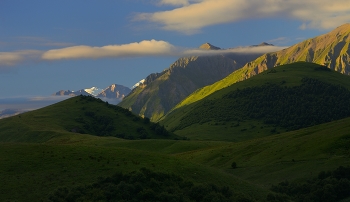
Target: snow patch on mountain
138 83
94 91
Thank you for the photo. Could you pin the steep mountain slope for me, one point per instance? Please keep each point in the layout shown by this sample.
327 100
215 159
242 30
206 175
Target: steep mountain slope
287 97
162 91
331 49
78 115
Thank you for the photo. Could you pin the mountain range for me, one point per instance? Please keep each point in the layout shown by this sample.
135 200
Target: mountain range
331 49
277 132
267 132
160 92
114 91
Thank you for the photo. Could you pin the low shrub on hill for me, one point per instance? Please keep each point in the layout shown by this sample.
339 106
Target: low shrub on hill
328 186
146 185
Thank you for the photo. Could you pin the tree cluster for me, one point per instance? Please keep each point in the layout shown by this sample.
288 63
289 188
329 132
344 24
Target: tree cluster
311 103
328 186
146 185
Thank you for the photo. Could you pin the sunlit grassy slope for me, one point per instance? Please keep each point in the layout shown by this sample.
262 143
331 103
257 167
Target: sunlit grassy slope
214 125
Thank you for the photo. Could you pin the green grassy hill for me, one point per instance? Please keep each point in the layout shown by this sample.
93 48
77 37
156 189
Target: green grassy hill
83 115
35 171
284 98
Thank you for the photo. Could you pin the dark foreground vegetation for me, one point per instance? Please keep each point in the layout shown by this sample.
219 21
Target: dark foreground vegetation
328 186
311 103
146 185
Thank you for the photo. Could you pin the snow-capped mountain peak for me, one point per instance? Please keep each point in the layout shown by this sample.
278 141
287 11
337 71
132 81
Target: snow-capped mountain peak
93 91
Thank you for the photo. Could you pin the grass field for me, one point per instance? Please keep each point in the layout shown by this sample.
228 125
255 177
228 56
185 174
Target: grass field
32 171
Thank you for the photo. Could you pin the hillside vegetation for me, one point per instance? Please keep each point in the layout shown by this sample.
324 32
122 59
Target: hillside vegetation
331 49
83 115
90 164
285 98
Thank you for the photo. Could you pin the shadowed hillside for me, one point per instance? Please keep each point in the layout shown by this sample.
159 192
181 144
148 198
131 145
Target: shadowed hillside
285 98
80 115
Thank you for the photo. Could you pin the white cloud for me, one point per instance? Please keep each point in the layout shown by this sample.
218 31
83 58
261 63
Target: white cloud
174 2
193 16
239 50
143 48
279 40
13 58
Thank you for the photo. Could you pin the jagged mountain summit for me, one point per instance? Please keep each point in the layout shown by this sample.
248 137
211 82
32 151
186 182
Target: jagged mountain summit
160 92
263 44
87 91
94 91
114 91
71 93
208 46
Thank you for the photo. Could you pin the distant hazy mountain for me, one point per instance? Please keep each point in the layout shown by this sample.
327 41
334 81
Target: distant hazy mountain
160 92
93 91
71 93
114 91
331 49
10 112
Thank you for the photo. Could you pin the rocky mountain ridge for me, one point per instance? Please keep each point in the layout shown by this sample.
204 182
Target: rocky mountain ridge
331 49
113 91
160 92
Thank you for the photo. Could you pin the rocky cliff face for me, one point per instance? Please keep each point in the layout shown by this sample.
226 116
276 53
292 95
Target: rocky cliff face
162 91
331 49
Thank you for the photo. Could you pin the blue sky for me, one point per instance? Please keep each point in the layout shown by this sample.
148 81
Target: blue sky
46 46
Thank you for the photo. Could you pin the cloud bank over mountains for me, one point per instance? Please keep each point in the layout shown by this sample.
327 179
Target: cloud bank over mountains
144 48
193 15
188 16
